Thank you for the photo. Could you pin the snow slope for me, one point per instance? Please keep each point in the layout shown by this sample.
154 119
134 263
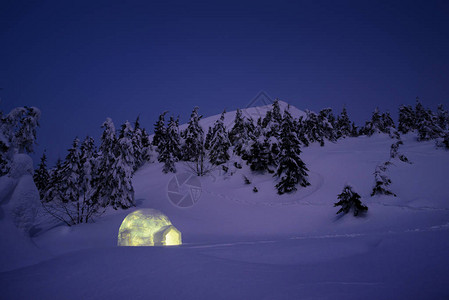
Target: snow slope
238 244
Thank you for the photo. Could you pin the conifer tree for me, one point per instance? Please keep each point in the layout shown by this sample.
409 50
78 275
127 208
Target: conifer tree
382 181
194 138
387 123
394 152
72 173
299 126
240 133
104 182
272 121
159 130
374 125
122 195
219 143
42 177
406 119
343 124
208 138
137 145
291 170
170 149
350 200
442 118
259 155
88 162
313 129
55 184
327 123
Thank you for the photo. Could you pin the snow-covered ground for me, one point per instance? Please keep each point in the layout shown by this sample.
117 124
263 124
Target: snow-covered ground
238 244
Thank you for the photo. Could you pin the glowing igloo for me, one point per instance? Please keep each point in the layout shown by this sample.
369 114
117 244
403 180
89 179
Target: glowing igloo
148 227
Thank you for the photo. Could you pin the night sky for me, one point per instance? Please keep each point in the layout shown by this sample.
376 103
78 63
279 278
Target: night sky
83 61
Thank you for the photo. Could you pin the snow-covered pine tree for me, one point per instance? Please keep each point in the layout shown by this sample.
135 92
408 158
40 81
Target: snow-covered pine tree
387 123
272 121
299 126
313 129
88 160
170 148
103 182
137 145
238 128
406 119
55 184
122 194
219 143
41 176
354 130
126 140
374 125
240 133
259 156
442 118
193 146
394 152
350 200
291 170
343 124
72 174
159 130
326 120
147 148
382 181
208 138
427 129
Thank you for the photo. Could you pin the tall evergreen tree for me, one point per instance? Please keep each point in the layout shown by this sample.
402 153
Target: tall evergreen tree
194 138
104 182
291 170
313 129
41 176
374 125
170 148
343 124
137 144
159 130
327 123
219 143
72 173
259 156
241 132
122 195
406 119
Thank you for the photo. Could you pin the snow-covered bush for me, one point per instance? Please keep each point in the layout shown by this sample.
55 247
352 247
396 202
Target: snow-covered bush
350 200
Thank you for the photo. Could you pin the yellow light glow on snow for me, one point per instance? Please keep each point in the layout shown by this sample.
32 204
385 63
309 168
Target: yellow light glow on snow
148 227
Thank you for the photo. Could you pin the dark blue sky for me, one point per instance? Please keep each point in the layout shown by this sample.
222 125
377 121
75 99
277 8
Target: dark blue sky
83 61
